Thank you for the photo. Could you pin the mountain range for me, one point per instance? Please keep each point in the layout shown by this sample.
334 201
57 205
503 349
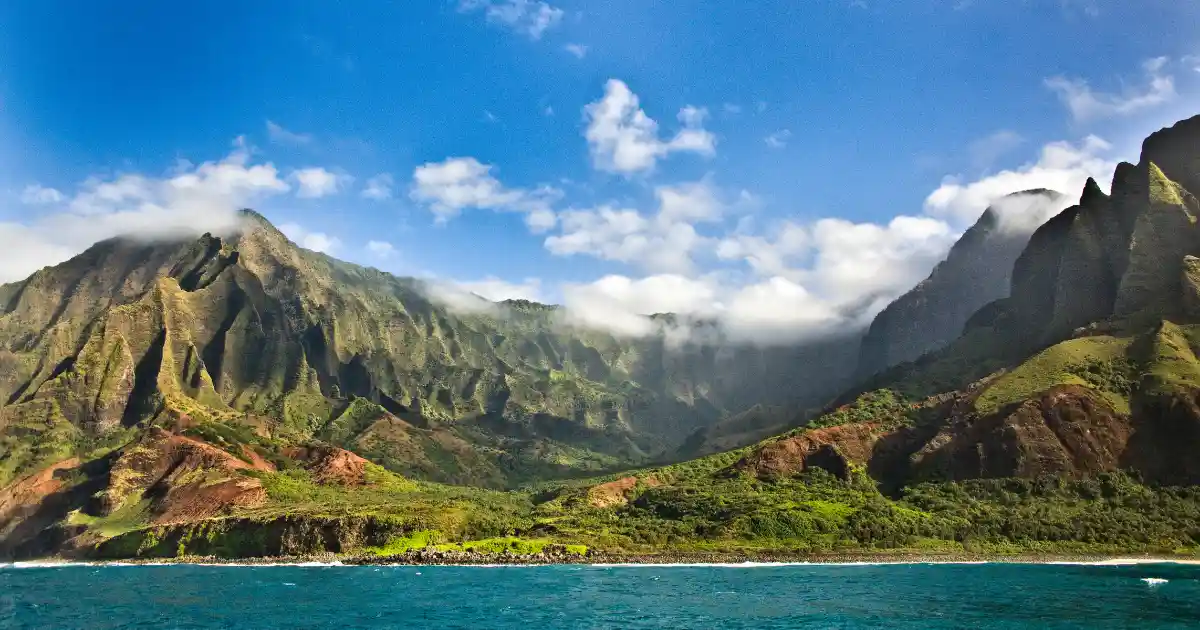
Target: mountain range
238 395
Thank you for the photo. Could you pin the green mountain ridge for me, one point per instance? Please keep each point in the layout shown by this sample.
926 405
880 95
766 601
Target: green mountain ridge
1064 418
250 326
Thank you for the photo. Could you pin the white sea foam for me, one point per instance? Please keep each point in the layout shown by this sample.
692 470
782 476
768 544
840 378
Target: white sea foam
1154 581
47 564
1124 562
760 565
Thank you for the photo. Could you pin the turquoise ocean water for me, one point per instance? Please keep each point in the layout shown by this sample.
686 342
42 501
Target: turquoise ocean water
926 596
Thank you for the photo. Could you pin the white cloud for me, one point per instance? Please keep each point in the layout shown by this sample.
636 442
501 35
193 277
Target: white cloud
528 17
315 182
620 304
186 201
579 50
381 249
779 139
497 290
35 194
808 281
1086 104
379 187
664 243
692 116
459 183
623 139
279 135
1062 166
481 296
316 241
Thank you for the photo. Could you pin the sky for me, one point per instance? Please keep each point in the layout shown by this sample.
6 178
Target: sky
786 167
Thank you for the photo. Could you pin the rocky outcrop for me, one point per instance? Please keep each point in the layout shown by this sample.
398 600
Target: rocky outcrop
833 449
1067 431
978 270
1164 232
248 538
617 493
183 478
330 465
1173 149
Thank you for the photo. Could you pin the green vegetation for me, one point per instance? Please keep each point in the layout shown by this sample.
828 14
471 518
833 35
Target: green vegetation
1060 364
885 406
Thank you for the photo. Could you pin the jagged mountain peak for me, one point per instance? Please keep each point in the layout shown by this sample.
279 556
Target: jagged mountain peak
1173 150
977 270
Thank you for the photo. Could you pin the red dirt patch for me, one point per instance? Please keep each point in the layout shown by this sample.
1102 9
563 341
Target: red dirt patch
26 494
616 493
832 448
1067 430
185 477
257 461
330 465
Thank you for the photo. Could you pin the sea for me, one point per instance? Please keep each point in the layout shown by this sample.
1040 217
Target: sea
925 596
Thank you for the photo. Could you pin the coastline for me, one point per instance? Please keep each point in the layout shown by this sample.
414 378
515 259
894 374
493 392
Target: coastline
461 559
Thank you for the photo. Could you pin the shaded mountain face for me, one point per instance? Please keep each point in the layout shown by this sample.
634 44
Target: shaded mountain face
252 331
977 271
1089 366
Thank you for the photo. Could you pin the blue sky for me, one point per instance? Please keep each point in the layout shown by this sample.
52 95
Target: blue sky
788 165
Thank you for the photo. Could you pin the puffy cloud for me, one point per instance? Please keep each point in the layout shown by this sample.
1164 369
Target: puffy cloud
663 243
381 249
315 241
459 183
379 187
497 290
620 304
27 249
579 50
1085 104
188 200
806 279
779 139
316 182
1062 166
279 135
623 139
481 296
37 194
528 17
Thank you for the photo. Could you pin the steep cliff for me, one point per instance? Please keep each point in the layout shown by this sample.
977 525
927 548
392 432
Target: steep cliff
977 270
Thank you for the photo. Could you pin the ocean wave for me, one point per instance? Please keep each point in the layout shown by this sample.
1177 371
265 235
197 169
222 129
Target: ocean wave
46 564
1152 581
757 565
1124 562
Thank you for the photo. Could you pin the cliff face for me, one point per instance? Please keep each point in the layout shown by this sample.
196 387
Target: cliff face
977 271
252 331
1088 366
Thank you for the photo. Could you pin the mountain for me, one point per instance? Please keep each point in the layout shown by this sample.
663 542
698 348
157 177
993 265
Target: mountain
1089 365
977 271
199 398
250 330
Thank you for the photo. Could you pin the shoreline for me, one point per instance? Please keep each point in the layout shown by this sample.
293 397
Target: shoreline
459 559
